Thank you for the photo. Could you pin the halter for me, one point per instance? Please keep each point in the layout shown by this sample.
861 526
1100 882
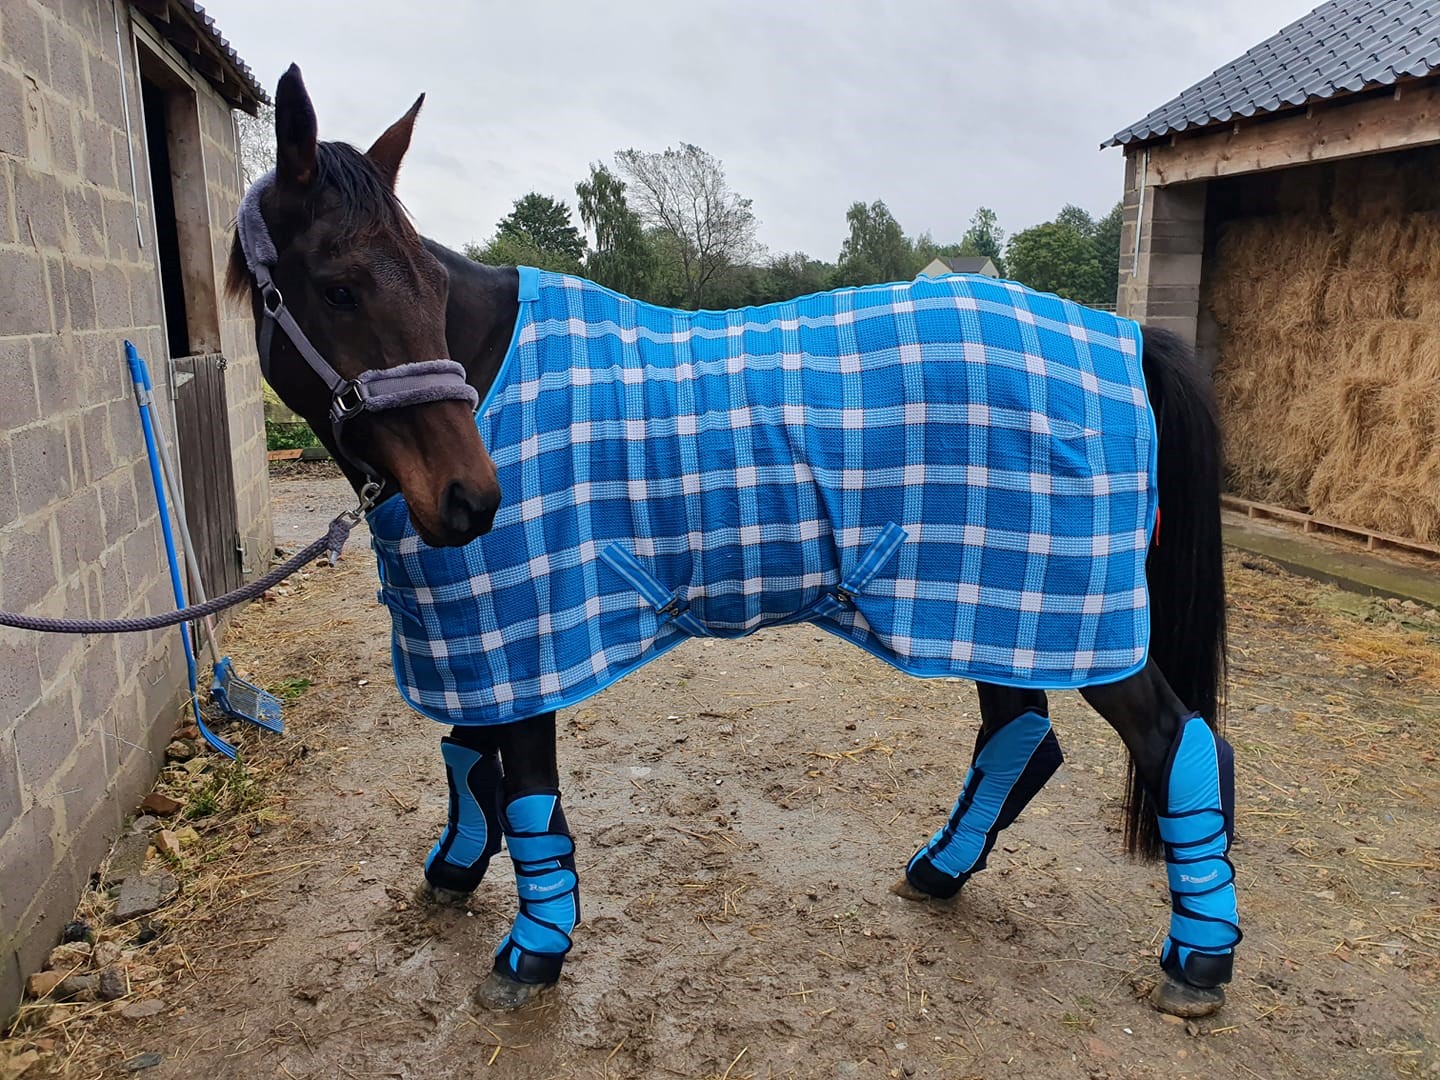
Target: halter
375 390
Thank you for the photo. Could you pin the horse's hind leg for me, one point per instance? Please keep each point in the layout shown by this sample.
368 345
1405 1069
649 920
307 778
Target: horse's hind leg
1189 772
531 956
1015 754
459 859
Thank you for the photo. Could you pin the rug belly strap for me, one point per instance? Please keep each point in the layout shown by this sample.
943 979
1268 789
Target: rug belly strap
461 856
1197 827
549 889
1009 769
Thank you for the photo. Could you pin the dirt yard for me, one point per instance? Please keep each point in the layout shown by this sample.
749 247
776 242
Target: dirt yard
740 810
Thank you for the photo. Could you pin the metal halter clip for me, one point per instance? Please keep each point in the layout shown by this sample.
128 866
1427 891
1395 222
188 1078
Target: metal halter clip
348 401
271 297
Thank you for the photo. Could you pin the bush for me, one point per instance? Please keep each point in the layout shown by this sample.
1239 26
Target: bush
288 436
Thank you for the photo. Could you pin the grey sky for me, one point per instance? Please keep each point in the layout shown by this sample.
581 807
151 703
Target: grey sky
935 107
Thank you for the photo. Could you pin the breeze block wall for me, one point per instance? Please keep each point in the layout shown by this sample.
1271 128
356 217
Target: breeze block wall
84 720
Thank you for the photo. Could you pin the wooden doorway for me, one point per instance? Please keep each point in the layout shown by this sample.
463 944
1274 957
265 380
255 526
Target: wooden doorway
185 253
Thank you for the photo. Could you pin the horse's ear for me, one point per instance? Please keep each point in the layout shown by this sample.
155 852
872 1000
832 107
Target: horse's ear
294 131
390 147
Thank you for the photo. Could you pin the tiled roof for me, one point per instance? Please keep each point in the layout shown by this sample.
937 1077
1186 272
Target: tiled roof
187 26
1339 48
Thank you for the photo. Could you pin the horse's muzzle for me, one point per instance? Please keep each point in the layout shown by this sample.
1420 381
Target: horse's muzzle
466 513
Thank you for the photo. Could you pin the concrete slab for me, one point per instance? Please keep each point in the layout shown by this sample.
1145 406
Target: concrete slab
1364 572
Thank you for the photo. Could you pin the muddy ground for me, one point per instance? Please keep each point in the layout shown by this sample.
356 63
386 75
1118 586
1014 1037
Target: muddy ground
740 809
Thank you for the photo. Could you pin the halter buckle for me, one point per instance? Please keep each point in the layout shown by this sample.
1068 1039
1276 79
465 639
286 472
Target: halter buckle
348 400
272 299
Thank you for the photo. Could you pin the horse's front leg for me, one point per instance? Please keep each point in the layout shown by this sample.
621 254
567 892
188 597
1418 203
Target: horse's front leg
530 957
1015 754
458 861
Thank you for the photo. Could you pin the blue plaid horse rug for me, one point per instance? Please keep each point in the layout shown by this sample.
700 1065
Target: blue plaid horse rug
918 468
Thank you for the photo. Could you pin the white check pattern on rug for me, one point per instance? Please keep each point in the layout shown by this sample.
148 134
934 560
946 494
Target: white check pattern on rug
956 474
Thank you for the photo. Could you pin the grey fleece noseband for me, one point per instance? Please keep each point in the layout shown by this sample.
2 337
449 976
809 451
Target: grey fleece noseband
375 390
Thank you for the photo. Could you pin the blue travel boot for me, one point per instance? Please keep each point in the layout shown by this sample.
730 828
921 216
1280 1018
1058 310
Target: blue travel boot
461 856
532 954
1008 770
1197 823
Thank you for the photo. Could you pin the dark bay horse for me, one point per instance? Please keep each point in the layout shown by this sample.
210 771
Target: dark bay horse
385 342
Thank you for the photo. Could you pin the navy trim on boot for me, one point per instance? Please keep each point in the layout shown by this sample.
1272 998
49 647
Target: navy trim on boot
461 856
1009 768
548 886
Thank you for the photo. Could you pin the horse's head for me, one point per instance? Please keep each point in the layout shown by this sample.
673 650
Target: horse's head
325 239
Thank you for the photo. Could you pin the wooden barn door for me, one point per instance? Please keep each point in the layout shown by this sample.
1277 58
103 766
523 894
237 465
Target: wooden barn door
185 253
203 416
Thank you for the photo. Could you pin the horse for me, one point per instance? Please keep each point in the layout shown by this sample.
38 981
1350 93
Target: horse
399 352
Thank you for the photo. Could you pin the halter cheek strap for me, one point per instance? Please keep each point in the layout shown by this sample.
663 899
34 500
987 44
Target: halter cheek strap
375 390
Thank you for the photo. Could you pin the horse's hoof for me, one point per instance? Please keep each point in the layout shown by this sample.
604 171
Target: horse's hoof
427 893
506 995
1181 999
903 888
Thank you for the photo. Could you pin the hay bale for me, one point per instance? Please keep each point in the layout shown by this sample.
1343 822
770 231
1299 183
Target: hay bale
1329 348
1352 294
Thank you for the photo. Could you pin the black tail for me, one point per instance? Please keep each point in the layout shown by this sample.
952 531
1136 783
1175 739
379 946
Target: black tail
1184 570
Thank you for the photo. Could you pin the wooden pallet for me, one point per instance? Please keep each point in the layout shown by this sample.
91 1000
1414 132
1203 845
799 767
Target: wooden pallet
1310 523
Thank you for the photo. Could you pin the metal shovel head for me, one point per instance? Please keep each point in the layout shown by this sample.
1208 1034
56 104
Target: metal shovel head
245 700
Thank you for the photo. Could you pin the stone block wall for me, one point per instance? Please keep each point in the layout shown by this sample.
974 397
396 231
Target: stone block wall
83 720
1160 274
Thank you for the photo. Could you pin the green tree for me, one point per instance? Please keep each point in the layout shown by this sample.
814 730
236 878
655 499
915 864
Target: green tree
984 238
786 276
1056 258
682 194
543 224
876 250
514 251
621 258
1074 217
1107 248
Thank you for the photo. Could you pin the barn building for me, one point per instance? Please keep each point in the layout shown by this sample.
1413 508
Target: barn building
1283 214
119 176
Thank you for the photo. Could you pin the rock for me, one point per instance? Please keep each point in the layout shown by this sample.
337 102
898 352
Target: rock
149 931
126 857
78 987
14 1066
160 805
142 1010
70 956
79 930
144 973
1166 1018
168 844
180 750
141 1062
143 894
42 983
187 836
189 731
106 953
112 985
144 823
1410 605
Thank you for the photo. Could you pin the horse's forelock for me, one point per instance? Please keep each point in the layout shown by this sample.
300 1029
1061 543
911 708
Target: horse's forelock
367 205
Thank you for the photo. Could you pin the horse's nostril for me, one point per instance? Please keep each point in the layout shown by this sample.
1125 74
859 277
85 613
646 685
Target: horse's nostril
468 511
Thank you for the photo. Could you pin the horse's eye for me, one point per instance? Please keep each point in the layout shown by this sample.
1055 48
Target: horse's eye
338 296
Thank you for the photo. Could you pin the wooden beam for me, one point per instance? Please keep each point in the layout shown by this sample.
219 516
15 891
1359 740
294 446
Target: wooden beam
1321 133
156 9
